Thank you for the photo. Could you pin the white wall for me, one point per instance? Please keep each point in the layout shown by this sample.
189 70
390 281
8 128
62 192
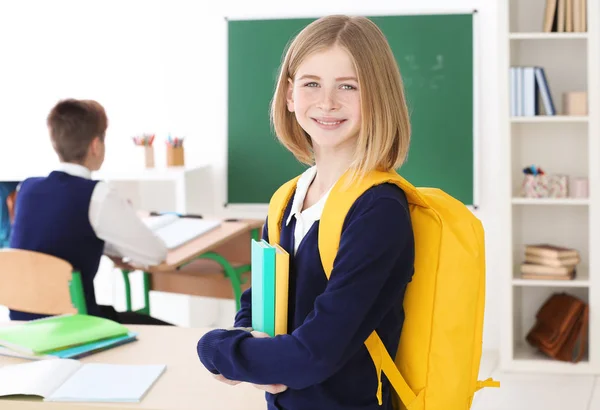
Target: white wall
161 66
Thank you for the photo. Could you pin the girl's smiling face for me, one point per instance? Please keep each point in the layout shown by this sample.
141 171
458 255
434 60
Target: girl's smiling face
325 98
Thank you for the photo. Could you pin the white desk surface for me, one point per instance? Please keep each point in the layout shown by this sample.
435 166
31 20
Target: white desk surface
161 173
186 384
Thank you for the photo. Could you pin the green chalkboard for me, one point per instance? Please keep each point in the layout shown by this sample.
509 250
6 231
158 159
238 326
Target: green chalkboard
435 55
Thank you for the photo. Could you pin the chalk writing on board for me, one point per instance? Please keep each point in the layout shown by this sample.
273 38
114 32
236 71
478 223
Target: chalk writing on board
431 77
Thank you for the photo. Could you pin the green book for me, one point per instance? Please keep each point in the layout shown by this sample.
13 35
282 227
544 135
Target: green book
58 332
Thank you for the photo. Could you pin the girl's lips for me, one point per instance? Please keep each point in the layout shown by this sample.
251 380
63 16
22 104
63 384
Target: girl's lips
328 123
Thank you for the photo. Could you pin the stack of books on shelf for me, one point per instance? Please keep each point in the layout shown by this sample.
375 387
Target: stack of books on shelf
270 284
565 16
549 262
527 86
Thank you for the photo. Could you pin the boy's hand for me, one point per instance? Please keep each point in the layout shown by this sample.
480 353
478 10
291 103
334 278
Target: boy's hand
271 388
221 378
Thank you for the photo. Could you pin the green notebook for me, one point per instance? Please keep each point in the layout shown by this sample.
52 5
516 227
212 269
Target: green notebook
58 332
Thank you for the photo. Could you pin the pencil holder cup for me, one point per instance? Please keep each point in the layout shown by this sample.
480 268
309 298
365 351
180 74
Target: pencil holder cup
579 188
149 156
534 186
558 186
175 156
545 186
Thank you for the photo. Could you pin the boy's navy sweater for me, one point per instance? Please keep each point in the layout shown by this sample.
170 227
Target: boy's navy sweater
323 359
52 217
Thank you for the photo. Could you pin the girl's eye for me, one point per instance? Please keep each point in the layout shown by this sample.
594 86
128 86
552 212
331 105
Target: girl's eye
348 87
311 84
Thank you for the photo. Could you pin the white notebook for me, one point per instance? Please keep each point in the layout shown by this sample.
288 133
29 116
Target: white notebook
63 380
176 231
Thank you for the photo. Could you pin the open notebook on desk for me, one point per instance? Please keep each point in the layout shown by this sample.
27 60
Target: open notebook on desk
176 231
69 380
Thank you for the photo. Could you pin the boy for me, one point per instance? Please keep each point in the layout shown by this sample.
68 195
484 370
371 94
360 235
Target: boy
70 216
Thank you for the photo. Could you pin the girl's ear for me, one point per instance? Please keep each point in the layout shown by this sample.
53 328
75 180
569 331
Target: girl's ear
290 95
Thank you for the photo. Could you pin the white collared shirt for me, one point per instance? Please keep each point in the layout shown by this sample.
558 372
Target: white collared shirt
305 219
116 222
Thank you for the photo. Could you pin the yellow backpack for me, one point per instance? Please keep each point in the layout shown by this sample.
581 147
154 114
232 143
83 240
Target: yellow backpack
437 363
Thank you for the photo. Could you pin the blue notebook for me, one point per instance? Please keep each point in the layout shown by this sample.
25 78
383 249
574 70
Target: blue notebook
263 287
75 352
80 351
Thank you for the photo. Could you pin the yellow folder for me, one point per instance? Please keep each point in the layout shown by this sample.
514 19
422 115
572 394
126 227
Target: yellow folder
282 278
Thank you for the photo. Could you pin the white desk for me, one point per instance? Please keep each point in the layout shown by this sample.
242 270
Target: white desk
192 183
186 384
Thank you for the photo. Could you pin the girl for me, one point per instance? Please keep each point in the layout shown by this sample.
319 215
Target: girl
339 106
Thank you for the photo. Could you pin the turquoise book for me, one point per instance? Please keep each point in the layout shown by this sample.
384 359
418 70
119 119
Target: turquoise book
263 287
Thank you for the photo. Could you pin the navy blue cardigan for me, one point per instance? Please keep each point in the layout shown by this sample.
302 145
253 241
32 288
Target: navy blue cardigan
322 359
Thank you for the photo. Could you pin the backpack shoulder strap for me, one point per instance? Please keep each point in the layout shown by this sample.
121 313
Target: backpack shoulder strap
339 202
277 206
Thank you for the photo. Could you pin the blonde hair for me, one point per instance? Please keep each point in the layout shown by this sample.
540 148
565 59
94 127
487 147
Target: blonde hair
384 135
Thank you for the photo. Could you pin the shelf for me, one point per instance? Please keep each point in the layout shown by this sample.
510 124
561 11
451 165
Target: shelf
548 36
582 279
551 201
550 118
526 358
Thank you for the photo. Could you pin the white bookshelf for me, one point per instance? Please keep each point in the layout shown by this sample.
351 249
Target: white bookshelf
561 144
550 119
547 36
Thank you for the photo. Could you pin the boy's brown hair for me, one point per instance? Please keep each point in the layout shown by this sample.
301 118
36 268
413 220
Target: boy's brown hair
384 136
73 125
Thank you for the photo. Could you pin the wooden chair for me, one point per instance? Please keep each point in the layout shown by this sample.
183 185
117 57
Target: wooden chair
39 283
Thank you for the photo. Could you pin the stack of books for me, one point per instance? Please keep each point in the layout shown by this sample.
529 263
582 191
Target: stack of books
529 92
63 337
565 16
270 284
549 262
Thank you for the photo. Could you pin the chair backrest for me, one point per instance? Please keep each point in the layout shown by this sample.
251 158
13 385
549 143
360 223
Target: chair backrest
39 283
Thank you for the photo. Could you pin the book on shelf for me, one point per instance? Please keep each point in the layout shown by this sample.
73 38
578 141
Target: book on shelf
529 92
533 269
551 251
549 262
535 276
565 16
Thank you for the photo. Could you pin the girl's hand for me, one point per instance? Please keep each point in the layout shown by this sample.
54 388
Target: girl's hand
271 388
221 378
